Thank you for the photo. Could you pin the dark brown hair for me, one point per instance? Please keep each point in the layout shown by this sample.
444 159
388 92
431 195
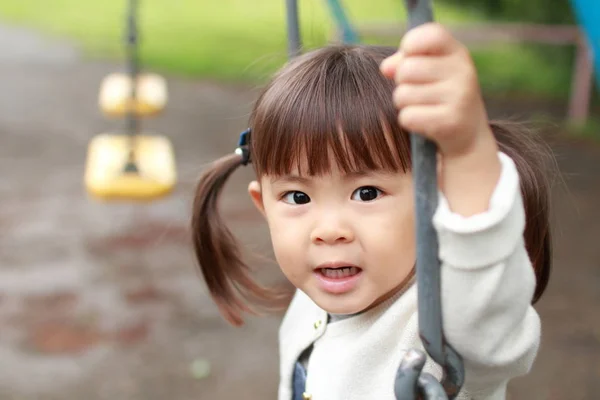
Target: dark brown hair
335 101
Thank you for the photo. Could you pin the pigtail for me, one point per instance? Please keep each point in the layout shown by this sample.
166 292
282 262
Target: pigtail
533 160
218 252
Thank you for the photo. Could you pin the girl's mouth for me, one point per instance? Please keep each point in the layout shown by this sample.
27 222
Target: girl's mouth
339 273
338 280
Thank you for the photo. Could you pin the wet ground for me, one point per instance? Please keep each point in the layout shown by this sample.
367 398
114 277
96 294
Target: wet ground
103 301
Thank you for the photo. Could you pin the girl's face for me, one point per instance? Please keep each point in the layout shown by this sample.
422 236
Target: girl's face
346 240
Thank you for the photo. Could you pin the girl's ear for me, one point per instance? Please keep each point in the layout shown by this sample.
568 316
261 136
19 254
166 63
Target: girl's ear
255 192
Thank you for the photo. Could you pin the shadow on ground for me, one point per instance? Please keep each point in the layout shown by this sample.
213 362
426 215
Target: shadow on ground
103 301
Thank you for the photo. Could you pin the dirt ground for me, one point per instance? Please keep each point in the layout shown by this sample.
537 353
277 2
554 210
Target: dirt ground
103 301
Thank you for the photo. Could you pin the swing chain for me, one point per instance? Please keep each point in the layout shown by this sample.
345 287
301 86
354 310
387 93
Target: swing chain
131 46
411 383
131 42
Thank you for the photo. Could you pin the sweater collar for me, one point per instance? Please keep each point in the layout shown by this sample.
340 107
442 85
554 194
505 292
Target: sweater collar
366 318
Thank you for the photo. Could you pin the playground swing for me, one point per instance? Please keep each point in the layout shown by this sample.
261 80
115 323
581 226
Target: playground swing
410 383
131 166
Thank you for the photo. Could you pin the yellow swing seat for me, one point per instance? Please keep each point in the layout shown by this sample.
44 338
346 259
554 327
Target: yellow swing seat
115 95
105 176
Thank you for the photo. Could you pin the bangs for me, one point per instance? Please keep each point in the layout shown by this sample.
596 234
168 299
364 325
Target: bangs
330 105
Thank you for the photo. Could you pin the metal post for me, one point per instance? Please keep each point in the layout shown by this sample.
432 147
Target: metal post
293 28
409 384
426 191
131 45
582 83
348 33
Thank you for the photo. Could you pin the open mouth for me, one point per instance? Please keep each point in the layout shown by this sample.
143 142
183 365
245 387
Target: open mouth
339 272
338 278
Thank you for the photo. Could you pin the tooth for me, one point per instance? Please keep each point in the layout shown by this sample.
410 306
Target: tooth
341 272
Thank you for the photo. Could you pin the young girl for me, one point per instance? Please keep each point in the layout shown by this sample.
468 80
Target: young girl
333 181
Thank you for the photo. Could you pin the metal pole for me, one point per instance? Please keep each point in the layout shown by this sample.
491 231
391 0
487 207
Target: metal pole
582 83
424 153
131 43
293 28
349 35
426 191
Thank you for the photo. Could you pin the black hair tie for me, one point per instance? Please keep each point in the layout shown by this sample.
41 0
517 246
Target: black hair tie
243 148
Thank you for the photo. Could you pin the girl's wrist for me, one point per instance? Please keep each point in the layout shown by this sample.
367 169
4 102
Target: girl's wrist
475 148
468 179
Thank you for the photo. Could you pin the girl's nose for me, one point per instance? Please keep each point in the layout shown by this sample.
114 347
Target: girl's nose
331 230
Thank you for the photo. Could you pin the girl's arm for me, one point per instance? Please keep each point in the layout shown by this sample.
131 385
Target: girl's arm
487 278
487 285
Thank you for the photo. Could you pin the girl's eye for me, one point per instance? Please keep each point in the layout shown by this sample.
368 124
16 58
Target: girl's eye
366 193
296 197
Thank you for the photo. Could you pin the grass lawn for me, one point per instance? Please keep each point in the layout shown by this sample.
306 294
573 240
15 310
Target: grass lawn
245 41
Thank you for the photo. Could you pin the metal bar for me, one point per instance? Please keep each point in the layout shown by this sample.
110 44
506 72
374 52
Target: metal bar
424 153
430 388
349 34
426 191
293 28
406 385
582 83
131 46
428 266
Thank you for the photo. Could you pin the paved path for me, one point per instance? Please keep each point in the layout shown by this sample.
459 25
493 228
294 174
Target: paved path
103 301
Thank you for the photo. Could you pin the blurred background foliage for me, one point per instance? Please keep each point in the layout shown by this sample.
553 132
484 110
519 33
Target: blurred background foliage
240 41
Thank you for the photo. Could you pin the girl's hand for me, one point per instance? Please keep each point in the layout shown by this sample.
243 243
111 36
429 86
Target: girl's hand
437 90
438 96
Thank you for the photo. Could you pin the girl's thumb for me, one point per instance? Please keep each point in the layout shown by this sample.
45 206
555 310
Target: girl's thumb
389 65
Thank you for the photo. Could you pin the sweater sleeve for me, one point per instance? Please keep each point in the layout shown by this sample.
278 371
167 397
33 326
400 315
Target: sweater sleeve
487 286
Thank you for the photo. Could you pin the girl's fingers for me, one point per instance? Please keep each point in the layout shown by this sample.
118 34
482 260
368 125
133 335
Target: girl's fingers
389 65
412 94
423 69
423 119
430 38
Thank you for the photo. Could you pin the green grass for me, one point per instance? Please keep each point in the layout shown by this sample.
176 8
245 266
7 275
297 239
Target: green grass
245 41
526 70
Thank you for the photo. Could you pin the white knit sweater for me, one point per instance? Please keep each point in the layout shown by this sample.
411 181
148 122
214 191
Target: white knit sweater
487 287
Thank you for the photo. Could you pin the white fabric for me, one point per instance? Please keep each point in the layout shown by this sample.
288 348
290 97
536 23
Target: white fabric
487 288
